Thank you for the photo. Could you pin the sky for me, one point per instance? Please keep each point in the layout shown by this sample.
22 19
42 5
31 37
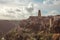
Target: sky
22 9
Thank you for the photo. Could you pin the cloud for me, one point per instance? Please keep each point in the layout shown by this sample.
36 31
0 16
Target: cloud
16 12
30 8
14 2
52 13
20 9
51 3
10 11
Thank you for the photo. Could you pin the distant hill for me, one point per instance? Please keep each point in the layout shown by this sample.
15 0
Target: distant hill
6 25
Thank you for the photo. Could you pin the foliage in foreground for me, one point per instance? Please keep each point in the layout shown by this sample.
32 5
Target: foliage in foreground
26 34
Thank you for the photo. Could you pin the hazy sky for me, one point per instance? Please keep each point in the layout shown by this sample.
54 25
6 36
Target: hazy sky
20 9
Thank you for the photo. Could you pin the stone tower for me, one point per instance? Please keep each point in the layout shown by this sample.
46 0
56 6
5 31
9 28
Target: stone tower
51 21
39 13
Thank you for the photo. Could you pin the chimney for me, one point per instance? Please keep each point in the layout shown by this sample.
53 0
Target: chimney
39 13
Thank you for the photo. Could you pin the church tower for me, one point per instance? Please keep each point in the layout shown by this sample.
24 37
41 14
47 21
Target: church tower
39 13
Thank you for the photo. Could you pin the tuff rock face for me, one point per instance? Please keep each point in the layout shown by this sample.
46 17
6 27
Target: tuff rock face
56 26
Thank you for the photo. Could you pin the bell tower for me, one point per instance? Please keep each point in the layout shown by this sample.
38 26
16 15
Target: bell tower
39 13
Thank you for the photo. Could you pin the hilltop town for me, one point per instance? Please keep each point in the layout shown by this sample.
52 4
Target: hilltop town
43 21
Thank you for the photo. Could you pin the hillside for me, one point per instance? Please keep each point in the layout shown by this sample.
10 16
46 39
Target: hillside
7 25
